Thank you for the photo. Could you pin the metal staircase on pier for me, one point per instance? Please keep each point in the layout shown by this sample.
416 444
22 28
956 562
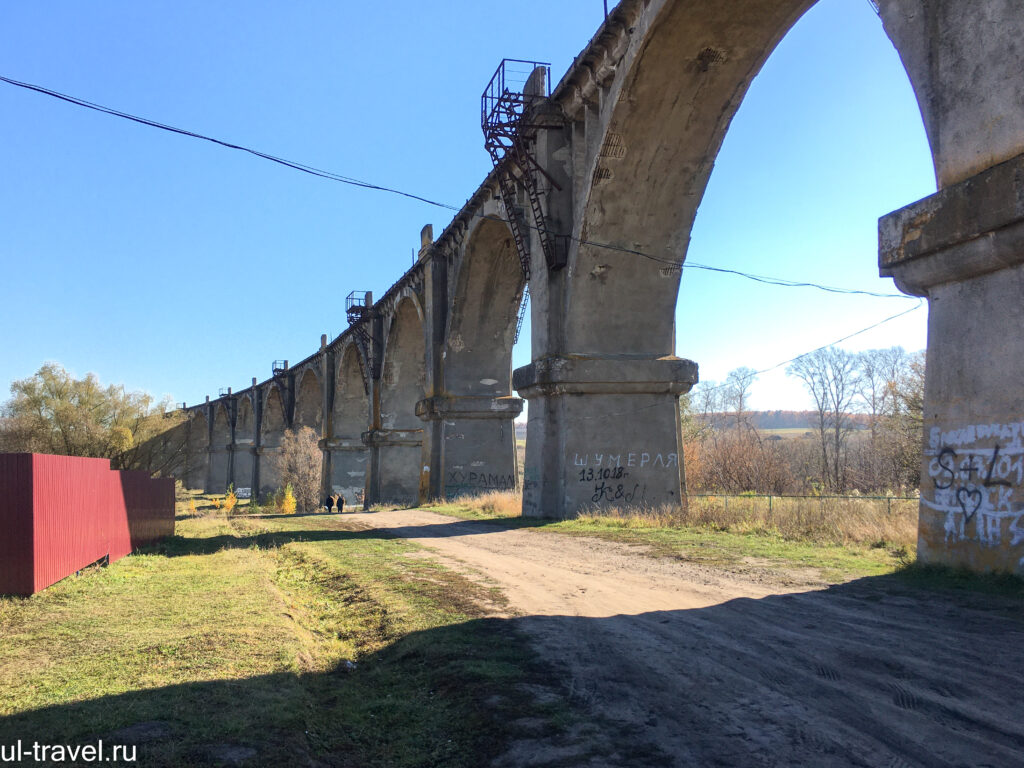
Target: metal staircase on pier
504 110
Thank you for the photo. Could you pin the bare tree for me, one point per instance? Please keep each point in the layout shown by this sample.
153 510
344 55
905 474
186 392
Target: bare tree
879 370
830 375
737 391
299 463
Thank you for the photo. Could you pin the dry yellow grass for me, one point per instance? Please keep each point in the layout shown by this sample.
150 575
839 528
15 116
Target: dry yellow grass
832 521
848 520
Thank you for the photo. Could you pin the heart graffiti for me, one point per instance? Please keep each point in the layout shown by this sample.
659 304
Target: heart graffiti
969 501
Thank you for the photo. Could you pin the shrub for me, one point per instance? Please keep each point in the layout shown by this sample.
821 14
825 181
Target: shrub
287 504
230 501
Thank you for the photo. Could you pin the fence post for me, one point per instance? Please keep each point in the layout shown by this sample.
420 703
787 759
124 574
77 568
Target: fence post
769 504
888 505
726 503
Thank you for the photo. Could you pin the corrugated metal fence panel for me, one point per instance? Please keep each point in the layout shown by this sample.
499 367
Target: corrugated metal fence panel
119 533
16 524
150 505
71 502
58 514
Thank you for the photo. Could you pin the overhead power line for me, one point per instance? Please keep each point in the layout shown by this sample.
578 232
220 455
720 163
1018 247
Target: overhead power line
333 176
920 303
181 131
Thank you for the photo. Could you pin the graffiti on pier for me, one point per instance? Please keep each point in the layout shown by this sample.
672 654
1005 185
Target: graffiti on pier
976 473
610 473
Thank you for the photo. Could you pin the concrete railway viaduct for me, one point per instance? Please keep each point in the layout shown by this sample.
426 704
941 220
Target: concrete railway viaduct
416 400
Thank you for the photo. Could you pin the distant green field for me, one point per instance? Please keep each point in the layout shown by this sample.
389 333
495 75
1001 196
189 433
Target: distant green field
787 432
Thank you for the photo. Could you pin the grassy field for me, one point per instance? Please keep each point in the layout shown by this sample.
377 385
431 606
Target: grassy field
277 641
840 541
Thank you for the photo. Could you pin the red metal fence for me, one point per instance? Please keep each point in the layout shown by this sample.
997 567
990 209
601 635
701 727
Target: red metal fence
60 513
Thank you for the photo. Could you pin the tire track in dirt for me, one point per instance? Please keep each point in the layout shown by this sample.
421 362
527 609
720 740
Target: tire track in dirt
718 668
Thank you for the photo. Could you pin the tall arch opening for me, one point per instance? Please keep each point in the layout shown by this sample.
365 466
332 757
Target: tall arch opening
403 379
350 418
220 447
309 402
273 428
197 454
614 358
245 440
474 419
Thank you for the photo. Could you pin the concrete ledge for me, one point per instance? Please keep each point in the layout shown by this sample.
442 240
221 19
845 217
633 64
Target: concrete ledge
965 230
338 444
469 407
383 437
578 374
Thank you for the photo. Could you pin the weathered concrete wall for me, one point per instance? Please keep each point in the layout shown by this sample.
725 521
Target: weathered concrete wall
963 248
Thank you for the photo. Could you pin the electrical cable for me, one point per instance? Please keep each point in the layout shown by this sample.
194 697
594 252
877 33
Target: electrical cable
332 176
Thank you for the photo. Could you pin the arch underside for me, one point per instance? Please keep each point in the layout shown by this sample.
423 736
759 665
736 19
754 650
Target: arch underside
672 110
481 332
309 402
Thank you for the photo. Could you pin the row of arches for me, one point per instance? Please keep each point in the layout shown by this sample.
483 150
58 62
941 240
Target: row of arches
418 424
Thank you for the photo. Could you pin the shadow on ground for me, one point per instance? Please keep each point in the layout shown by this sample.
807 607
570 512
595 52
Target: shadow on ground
176 546
877 672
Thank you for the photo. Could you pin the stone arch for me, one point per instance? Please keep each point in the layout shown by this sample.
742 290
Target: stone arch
351 414
245 440
482 323
403 380
220 443
197 451
272 432
350 418
309 408
685 70
403 373
245 422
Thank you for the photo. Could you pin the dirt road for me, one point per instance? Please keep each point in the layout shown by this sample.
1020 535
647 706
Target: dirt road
695 666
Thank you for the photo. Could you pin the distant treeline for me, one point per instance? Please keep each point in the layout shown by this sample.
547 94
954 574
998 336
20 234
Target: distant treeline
782 419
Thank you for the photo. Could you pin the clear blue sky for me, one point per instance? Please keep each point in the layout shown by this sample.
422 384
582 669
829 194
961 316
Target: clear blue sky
178 267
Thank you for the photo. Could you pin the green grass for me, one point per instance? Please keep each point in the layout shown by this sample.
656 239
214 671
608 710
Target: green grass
244 633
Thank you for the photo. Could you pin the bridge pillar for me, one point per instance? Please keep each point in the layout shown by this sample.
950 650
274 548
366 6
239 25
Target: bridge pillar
963 249
602 432
474 444
349 462
396 456
243 462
